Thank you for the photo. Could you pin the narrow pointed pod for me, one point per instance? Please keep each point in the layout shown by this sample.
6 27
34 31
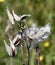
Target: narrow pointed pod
10 16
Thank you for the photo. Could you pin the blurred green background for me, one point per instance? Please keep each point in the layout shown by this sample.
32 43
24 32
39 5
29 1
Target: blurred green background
42 12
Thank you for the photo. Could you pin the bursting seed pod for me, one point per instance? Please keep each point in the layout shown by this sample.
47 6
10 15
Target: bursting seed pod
10 16
11 50
39 35
19 18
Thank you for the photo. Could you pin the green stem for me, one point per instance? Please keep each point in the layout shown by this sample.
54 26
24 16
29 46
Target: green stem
11 61
32 55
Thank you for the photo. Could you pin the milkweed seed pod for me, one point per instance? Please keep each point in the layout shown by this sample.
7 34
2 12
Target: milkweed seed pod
11 50
40 35
20 18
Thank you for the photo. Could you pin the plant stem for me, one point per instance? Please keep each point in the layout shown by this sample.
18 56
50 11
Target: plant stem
22 49
37 54
38 61
11 61
28 56
31 58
